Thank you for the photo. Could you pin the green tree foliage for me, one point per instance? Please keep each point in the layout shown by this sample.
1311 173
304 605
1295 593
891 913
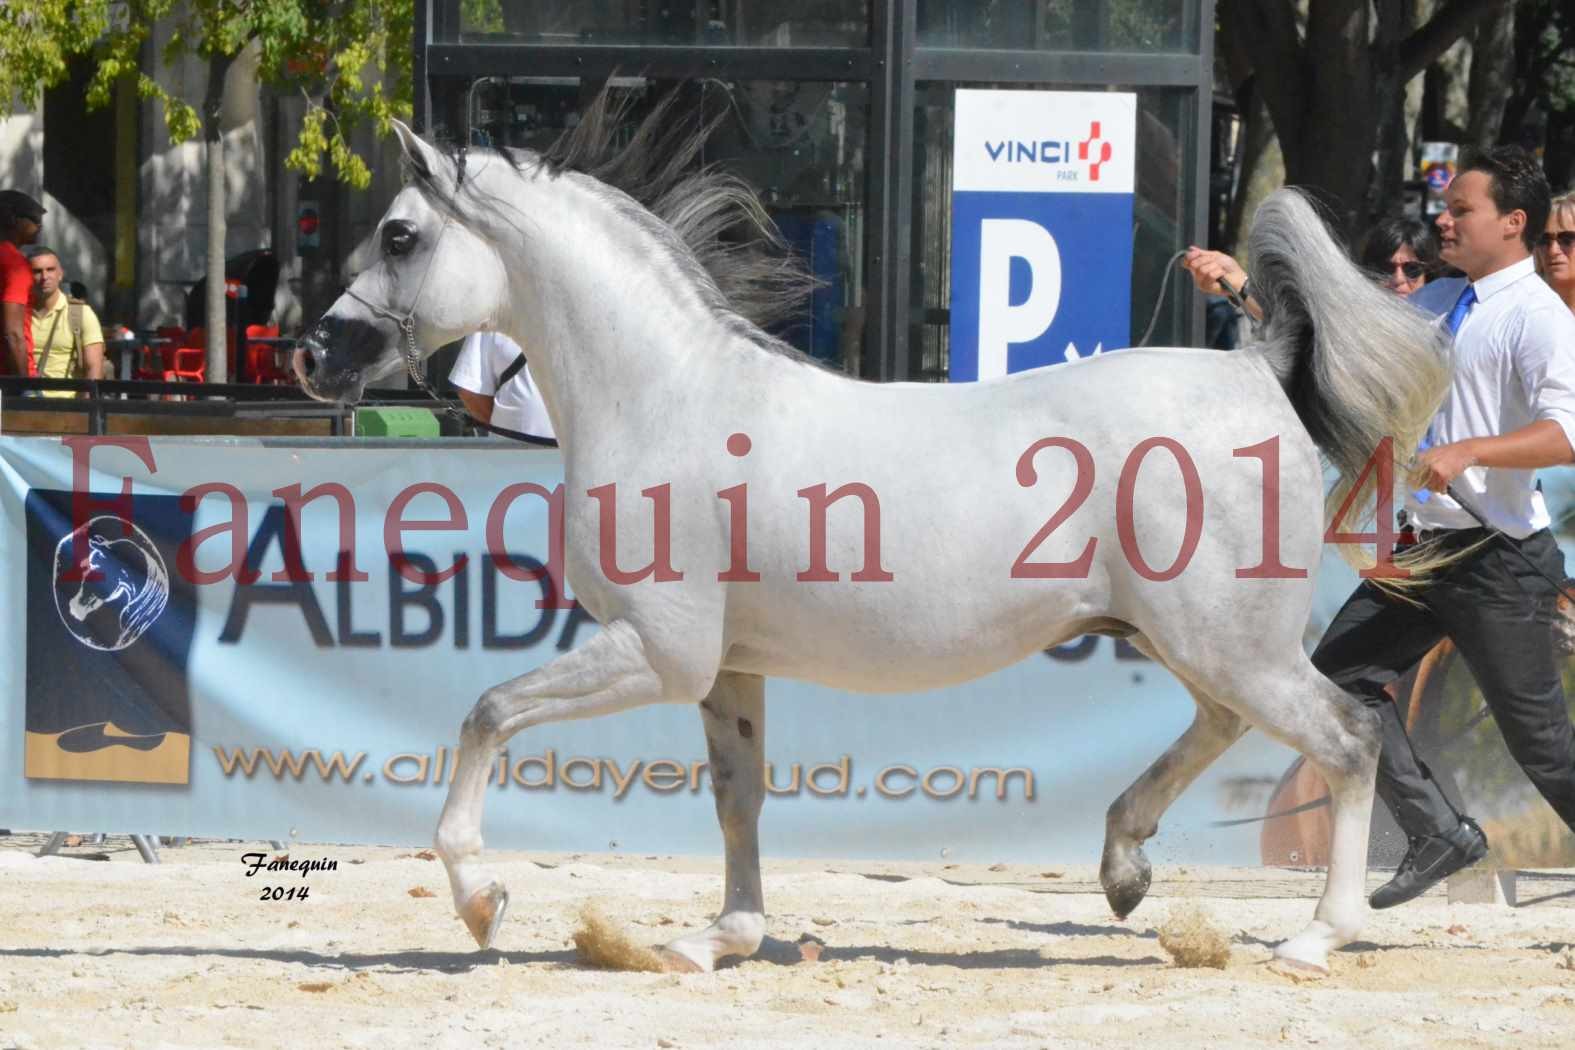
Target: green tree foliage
349 59
481 16
1551 55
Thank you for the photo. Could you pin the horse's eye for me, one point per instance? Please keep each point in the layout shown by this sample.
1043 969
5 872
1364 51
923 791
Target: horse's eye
398 238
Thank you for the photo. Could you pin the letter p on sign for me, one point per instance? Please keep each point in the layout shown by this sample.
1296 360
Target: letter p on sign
1000 322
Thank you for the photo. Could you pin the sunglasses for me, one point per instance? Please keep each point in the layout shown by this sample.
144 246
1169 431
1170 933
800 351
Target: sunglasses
1565 239
1412 270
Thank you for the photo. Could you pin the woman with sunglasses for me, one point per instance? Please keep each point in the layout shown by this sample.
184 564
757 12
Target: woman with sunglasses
1402 252
1556 249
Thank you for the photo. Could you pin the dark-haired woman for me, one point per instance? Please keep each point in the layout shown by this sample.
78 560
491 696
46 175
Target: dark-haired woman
1402 252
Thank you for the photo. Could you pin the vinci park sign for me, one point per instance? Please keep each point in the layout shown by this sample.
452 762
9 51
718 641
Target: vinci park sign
1041 228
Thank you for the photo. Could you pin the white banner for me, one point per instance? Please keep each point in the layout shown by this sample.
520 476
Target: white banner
251 661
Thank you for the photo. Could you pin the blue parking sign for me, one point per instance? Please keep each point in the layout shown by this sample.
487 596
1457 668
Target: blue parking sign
1041 229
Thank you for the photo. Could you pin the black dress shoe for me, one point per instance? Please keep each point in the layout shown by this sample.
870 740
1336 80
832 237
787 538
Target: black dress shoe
1430 860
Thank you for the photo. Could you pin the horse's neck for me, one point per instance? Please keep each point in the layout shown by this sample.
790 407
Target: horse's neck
605 319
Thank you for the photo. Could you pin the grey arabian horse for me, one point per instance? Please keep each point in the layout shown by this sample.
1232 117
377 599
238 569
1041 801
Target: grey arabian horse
987 520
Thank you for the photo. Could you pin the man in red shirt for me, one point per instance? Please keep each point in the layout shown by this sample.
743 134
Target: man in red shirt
20 219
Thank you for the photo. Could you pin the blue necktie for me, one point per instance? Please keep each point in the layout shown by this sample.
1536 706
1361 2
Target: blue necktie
1457 317
1463 305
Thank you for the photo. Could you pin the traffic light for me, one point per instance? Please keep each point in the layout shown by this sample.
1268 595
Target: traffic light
308 235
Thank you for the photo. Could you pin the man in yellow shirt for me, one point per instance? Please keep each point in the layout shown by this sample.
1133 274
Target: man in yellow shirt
67 340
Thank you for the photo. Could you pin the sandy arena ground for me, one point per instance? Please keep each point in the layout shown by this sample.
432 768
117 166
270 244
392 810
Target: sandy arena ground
184 954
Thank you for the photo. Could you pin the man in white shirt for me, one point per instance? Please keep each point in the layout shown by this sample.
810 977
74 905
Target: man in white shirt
496 387
1510 410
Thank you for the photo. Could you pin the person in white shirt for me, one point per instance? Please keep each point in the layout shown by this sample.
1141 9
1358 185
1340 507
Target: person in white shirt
496 387
1510 410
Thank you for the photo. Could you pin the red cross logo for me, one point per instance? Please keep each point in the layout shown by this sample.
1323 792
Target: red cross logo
1098 147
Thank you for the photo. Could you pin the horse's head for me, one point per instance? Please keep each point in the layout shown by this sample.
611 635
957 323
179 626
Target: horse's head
433 269
104 580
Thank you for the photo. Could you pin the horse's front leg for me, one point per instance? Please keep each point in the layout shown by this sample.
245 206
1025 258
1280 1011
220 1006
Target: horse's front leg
735 734
610 673
1134 817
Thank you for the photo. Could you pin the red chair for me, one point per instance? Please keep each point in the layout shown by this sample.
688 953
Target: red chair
156 361
187 359
265 361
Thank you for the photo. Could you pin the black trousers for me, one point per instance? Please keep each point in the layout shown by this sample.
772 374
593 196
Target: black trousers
1499 613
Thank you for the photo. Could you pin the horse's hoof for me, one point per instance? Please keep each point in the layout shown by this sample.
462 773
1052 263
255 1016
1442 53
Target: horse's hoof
1125 879
483 913
676 962
1125 898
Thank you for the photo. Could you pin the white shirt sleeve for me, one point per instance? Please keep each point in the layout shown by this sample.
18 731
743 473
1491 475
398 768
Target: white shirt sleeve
472 369
1545 363
519 406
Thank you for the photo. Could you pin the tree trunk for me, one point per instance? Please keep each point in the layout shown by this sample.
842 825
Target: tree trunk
1559 158
1492 79
217 358
122 298
1341 125
1523 105
1330 88
1256 134
1259 153
1395 22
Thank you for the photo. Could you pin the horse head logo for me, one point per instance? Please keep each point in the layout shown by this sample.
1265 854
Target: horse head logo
123 588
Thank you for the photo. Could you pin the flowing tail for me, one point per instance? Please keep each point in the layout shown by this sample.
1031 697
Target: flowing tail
1358 362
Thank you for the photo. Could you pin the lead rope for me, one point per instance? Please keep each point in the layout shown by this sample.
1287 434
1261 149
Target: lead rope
1237 299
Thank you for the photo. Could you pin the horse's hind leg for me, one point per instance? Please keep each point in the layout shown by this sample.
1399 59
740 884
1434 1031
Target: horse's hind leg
609 673
735 736
1134 816
1340 737
1298 706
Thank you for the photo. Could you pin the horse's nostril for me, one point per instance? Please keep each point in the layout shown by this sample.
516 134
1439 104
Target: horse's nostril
305 363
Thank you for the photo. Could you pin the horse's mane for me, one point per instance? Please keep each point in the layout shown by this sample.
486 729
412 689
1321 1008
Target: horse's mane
722 239
144 606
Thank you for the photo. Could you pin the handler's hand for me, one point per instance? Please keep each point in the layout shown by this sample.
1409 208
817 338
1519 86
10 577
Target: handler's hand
1438 466
1208 267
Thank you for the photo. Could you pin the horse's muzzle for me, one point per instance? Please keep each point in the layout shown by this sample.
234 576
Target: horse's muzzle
308 359
322 373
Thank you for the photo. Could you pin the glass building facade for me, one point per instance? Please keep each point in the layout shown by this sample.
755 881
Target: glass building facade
840 113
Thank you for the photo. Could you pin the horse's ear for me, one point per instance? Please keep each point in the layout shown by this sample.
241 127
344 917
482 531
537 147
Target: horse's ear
424 160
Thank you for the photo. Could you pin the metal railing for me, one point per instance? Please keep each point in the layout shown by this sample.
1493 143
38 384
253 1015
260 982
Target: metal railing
99 399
